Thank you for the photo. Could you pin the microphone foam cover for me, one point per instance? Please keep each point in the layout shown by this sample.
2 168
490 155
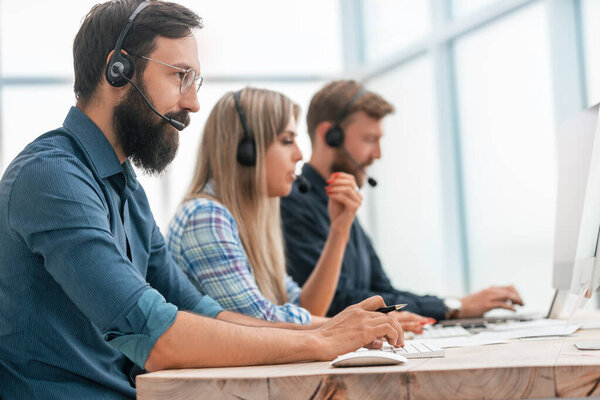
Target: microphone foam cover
303 184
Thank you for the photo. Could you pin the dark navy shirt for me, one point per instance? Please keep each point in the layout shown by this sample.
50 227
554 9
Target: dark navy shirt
86 282
306 226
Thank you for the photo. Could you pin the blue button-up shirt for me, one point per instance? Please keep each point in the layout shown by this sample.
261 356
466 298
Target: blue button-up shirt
306 226
86 282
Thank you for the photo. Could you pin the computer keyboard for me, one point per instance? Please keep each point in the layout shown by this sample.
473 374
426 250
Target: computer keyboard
387 355
414 349
564 328
443 332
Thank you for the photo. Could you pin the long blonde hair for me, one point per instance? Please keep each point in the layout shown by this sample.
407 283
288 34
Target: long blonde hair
242 189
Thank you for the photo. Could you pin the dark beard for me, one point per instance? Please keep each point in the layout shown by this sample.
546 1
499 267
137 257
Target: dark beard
343 163
144 137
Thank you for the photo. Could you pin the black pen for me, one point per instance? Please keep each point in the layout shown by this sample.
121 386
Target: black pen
390 308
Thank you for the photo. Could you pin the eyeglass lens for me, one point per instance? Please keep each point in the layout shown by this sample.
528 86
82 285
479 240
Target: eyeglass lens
189 79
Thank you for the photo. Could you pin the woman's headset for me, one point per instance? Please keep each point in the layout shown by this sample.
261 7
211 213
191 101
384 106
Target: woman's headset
246 150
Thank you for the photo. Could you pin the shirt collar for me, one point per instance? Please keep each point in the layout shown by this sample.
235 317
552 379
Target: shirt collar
209 188
96 146
314 178
130 174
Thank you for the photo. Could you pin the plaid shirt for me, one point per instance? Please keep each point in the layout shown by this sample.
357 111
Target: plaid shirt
204 240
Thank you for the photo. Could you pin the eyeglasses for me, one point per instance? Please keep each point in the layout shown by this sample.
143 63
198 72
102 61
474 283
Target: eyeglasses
188 79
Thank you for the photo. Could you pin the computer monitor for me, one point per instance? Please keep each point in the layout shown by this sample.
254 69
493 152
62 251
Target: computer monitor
576 252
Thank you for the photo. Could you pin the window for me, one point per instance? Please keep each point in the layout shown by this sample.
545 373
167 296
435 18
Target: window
590 12
461 8
391 25
263 37
28 112
405 208
45 31
505 118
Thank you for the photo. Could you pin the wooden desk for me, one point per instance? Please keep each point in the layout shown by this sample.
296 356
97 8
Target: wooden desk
518 369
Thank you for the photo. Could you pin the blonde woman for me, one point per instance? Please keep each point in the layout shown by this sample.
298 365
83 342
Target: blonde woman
227 235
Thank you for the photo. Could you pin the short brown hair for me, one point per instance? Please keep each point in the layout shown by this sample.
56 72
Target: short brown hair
101 27
328 103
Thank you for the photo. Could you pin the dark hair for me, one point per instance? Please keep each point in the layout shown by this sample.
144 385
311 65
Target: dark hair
103 24
329 102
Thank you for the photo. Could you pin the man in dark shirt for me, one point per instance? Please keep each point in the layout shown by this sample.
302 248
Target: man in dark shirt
87 286
345 127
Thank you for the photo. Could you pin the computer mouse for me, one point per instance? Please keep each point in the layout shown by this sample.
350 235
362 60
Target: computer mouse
365 358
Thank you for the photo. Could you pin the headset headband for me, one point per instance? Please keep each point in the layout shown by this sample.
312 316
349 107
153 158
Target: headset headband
128 26
240 110
346 109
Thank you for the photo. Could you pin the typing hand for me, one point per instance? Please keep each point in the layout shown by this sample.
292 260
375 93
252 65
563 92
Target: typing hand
412 322
344 200
358 325
476 304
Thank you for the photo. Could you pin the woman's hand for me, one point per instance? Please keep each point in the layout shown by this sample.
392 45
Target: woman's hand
412 322
319 289
344 200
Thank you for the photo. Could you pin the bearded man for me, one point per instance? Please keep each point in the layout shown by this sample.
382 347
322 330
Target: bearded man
89 294
345 125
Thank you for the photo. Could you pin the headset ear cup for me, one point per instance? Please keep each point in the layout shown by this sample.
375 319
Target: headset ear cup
246 152
334 136
117 65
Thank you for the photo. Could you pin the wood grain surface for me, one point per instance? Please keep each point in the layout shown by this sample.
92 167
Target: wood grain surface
515 370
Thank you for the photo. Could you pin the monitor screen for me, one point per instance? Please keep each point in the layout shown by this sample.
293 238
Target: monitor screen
577 203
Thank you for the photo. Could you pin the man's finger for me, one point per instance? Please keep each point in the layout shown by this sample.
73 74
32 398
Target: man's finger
386 320
374 345
392 335
515 296
505 293
503 304
372 303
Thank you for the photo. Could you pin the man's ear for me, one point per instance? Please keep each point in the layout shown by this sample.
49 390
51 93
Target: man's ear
111 53
322 129
108 57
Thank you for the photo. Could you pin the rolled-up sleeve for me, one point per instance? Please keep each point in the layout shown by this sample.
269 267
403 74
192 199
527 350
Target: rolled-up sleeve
68 228
165 276
293 290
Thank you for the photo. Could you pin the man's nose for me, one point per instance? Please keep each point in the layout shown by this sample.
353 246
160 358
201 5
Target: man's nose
377 151
189 101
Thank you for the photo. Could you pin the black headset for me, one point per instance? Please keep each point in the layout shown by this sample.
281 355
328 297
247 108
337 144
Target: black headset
246 150
335 135
120 67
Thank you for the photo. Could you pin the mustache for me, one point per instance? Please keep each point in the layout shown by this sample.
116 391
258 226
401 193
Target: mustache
181 116
368 163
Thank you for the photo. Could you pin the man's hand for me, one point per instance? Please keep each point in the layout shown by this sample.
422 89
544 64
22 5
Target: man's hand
412 322
474 305
358 325
344 200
